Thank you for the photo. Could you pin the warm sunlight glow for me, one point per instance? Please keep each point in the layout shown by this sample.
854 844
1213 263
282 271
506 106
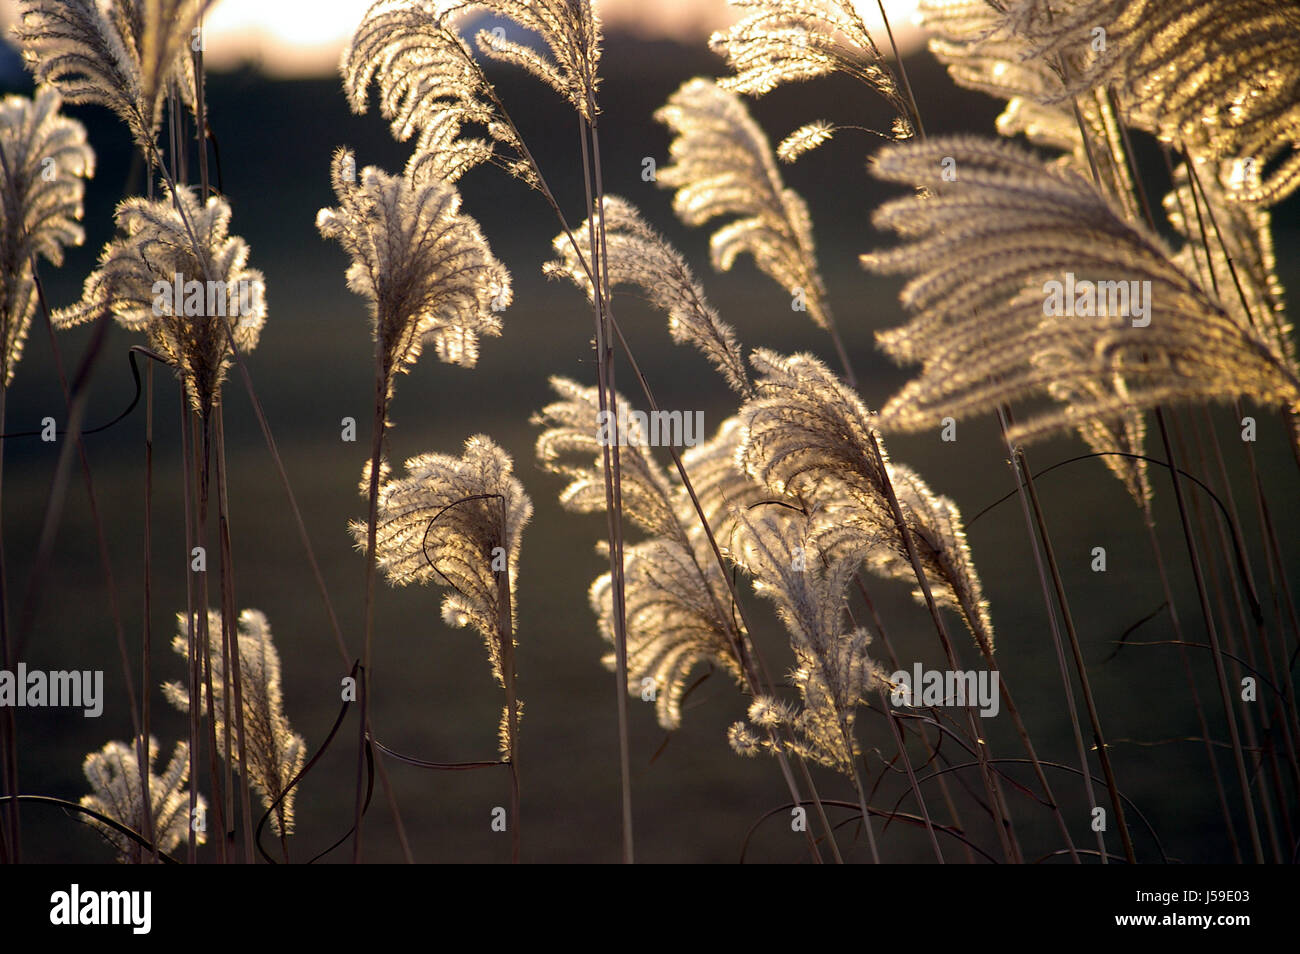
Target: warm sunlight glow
305 37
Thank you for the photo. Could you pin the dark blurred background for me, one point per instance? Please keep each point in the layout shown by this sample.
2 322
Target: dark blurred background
434 698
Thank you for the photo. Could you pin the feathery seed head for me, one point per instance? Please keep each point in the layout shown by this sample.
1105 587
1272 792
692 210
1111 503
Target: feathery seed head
457 522
743 741
44 157
804 139
783 551
809 435
424 267
789 41
114 776
123 54
430 82
676 598
769 712
430 86
986 249
274 753
1220 79
570 446
721 486
677 619
724 167
638 255
176 250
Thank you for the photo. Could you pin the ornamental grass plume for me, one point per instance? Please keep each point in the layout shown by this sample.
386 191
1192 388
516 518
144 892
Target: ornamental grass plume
44 158
983 251
637 255
808 435
676 596
123 54
569 28
967 37
723 167
790 41
273 753
114 776
458 522
155 265
431 87
422 265
1219 79
835 673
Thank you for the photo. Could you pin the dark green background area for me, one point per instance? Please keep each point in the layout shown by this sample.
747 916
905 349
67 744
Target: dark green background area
434 697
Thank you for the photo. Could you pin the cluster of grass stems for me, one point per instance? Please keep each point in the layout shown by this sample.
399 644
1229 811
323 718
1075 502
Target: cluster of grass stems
966 798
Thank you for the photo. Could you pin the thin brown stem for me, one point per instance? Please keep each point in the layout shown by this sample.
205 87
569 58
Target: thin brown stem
1149 520
1219 670
902 72
610 465
382 393
1081 669
505 623
911 776
187 470
202 446
8 731
146 639
231 659
997 801
1020 467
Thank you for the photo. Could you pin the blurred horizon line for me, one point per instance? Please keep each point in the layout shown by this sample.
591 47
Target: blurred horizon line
303 39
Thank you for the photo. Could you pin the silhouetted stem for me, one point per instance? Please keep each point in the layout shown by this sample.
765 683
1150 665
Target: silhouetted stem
505 623
997 802
147 635
1085 685
231 661
8 733
608 401
1212 631
372 520
1149 520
